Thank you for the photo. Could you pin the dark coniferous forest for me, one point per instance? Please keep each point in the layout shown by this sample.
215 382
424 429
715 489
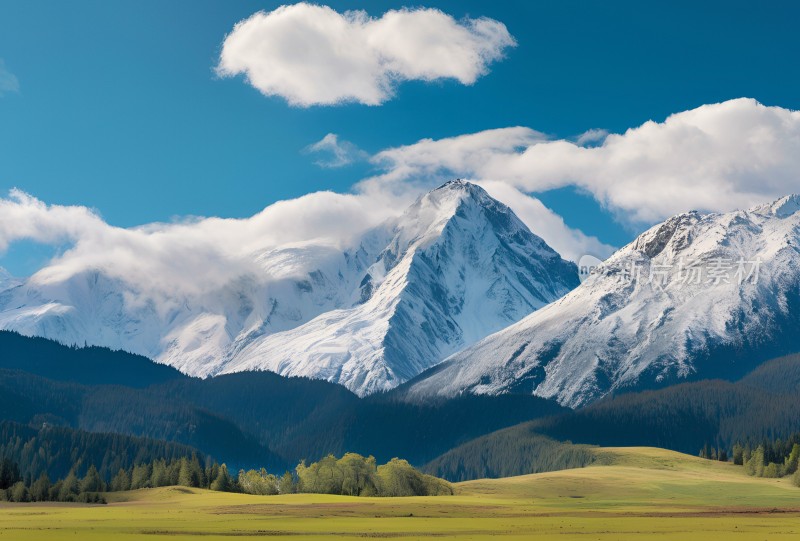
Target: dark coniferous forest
120 410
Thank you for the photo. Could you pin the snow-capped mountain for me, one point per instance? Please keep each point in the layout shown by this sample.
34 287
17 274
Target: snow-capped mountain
696 296
458 266
455 267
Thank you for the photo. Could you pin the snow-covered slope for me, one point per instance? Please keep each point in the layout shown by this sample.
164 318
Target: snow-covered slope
455 267
697 296
459 265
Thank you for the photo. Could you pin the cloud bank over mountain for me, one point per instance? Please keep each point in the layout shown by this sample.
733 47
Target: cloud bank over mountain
716 157
313 55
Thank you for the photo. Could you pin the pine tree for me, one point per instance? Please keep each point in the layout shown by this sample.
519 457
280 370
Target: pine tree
121 482
738 454
9 473
187 475
198 477
92 481
223 481
140 477
40 489
160 476
793 459
69 488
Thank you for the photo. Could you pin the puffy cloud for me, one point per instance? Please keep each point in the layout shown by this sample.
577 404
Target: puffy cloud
717 157
459 156
337 151
8 81
313 55
25 217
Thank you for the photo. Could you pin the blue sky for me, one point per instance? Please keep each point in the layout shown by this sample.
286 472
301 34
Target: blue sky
119 109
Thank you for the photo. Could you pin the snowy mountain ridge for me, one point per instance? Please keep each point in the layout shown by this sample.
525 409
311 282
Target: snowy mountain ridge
700 295
456 266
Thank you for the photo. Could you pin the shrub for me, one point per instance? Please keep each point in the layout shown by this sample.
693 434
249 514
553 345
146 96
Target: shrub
399 478
18 492
258 482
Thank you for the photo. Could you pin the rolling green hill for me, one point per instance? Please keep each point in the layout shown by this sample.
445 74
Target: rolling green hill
627 494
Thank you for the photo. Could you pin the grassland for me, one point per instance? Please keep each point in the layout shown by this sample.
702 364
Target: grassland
630 493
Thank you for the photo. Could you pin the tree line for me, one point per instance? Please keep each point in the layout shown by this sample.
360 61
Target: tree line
57 450
15 488
350 475
772 459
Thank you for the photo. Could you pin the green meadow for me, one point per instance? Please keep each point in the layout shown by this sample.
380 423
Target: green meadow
629 493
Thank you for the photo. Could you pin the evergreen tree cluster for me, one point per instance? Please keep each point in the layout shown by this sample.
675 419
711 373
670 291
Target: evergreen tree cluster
15 488
250 419
351 475
771 459
714 453
56 450
89 488
687 416
185 471
512 451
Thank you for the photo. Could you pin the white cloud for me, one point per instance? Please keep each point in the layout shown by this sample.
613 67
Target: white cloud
8 81
457 156
717 157
313 55
338 151
159 257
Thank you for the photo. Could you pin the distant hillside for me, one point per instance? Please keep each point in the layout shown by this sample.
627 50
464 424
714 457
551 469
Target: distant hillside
87 365
509 452
685 417
56 449
34 400
763 405
245 419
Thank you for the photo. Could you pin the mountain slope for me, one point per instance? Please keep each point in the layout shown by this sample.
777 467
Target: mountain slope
459 266
89 366
455 267
245 419
684 417
697 296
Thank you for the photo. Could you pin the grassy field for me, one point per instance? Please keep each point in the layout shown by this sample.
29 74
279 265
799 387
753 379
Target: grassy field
631 493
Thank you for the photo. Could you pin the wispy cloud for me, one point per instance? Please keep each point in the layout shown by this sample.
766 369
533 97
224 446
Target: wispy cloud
313 55
335 152
8 81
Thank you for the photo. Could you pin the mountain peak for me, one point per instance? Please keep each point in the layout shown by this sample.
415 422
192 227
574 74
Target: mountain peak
458 184
460 190
781 208
456 266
